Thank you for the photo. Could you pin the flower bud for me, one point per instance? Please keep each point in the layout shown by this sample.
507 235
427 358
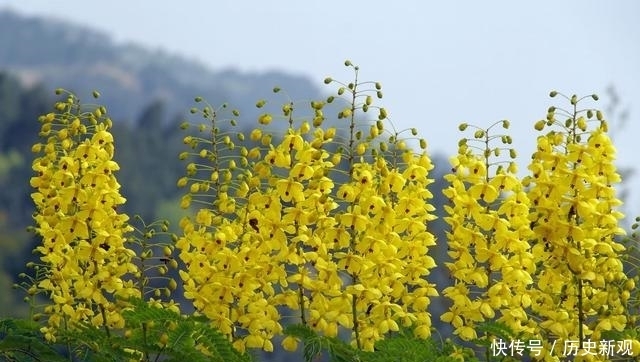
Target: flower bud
383 114
172 284
574 100
317 105
265 119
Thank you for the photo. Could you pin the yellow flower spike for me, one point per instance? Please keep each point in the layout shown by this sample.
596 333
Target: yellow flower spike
88 268
574 238
489 227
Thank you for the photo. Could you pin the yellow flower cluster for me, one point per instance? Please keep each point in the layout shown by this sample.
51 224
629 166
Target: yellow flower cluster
383 247
580 282
84 255
488 240
276 232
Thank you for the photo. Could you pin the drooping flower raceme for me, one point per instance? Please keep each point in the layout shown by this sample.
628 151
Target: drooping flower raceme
84 252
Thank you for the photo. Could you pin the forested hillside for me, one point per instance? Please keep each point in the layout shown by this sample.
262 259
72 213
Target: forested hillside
58 54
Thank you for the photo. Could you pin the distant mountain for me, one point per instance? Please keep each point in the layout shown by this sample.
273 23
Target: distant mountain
59 54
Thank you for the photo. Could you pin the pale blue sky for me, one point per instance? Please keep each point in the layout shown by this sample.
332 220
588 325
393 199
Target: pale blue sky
440 62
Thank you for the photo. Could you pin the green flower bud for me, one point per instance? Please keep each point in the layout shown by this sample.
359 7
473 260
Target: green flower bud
539 126
347 63
96 94
553 94
505 124
568 122
172 284
265 119
595 97
463 126
574 100
328 80
276 89
383 114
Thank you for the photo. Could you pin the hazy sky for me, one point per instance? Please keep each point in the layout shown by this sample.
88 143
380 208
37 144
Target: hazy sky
440 62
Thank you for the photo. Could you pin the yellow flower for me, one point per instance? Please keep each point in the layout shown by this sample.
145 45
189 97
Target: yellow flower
289 190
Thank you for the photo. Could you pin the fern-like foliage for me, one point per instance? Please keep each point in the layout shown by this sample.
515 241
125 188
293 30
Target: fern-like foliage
315 345
21 340
154 331
496 330
401 347
151 333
